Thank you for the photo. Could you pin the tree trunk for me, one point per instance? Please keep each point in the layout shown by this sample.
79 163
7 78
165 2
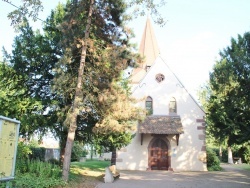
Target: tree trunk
73 113
230 155
91 151
220 153
113 157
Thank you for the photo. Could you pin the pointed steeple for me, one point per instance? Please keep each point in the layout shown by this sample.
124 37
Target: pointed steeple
148 47
149 50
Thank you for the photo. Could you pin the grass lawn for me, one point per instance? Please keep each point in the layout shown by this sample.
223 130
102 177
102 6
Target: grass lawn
243 166
87 174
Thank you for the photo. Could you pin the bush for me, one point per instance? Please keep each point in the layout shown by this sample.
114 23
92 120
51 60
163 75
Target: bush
54 161
213 162
37 153
26 152
244 153
38 174
224 154
28 180
23 152
85 153
77 151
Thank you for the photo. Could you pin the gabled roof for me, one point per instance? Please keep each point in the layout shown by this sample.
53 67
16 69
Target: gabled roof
157 62
161 125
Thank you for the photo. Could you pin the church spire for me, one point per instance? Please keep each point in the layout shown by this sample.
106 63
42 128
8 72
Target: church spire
148 47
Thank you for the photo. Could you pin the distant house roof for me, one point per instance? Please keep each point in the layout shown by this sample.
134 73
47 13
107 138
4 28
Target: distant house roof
50 144
161 125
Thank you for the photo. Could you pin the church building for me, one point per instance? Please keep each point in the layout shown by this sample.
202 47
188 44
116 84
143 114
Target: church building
172 136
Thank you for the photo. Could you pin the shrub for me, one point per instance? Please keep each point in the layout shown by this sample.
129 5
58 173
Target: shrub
54 161
85 153
244 153
213 162
23 152
224 157
28 180
38 174
37 153
77 151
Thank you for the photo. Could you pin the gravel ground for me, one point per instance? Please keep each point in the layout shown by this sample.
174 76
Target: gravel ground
230 177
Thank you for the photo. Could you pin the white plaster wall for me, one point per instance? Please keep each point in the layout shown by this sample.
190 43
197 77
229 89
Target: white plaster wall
135 155
189 150
184 157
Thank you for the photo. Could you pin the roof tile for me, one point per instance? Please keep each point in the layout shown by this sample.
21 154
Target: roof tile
161 125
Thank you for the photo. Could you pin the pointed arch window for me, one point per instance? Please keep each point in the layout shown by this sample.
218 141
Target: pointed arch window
172 105
149 105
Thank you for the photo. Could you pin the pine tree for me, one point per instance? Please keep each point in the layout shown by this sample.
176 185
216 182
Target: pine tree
95 48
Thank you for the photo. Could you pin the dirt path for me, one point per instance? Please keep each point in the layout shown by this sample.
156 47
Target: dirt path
230 177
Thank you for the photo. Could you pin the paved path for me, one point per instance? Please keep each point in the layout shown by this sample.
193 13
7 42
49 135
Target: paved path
229 178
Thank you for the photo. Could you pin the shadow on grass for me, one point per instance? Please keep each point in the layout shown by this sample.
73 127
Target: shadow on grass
95 165
87 174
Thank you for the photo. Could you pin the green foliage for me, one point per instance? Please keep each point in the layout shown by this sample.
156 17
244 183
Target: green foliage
28 180
85 153
143 7
213 162
37 174
224 157
37 153
242 151
25 81
116 127
246 155
54 161
77 151
100 44
23 152
227 94
14 102
30 8
43 169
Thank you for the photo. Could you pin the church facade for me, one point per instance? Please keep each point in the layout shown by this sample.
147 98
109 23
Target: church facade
172 136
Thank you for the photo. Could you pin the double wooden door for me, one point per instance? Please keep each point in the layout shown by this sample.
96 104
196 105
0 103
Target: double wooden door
158 155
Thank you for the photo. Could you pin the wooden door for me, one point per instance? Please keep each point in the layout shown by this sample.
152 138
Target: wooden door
158 155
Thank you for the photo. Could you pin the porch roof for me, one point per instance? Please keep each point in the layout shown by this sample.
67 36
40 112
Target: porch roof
161 125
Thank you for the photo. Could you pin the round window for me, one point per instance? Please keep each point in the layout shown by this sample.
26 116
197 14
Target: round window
159 77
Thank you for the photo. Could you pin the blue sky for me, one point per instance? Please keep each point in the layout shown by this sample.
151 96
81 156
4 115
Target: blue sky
195 32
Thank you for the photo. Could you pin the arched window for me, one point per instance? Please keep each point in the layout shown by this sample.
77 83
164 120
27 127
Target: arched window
172 105
149 105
